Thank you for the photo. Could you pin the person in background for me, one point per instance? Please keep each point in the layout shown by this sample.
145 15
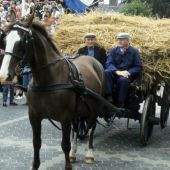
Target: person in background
6 5
12 6
44 13
92 49
2 12
8 88
1 59
26 79
55 12
55 15
123 66
47 5
32 8
18 11
61 9
48 20
38 9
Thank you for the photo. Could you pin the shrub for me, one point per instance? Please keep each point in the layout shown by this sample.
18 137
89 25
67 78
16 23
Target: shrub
137 7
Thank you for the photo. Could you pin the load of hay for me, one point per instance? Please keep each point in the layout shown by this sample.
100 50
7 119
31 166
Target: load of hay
150 36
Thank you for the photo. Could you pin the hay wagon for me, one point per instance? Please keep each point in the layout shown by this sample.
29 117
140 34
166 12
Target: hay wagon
141 95
152 37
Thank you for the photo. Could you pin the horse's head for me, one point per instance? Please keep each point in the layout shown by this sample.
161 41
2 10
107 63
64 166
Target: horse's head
17 50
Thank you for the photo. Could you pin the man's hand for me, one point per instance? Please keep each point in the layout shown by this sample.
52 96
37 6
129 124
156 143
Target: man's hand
118 73
123 73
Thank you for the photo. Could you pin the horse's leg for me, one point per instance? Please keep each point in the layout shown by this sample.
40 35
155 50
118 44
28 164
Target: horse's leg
89 158
73 146
66 144
36 128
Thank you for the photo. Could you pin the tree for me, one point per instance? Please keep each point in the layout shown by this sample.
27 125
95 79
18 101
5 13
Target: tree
137 7
160 8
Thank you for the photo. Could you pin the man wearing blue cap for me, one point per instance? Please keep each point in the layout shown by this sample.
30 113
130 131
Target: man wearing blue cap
123 66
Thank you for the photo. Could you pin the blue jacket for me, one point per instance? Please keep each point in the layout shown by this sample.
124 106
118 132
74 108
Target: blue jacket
129 61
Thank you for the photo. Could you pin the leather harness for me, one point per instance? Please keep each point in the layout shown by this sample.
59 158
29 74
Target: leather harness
76 81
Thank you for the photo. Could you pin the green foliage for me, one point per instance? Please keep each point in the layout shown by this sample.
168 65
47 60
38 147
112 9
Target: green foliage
137 7
160 8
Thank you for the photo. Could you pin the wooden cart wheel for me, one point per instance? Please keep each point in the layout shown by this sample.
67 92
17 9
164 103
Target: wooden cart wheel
82 129
165 108
146 126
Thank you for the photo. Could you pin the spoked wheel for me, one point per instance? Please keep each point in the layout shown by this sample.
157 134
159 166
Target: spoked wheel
165 108
147 120
82 129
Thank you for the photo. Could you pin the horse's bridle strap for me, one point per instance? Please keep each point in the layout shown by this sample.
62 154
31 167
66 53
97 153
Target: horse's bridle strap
22 28
12 54
47 65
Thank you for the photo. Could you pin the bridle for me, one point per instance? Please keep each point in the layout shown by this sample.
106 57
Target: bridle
28 44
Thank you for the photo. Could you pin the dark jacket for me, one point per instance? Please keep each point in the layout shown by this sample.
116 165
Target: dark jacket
129 61
99 53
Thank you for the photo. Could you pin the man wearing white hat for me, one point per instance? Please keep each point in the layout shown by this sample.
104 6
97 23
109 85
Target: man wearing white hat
123 66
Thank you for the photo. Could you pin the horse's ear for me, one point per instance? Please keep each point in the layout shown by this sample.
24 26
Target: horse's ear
11 16
27 20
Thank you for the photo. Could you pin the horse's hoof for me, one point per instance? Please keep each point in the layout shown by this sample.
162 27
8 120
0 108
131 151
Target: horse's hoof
89 160
72 159
33 168
35 165
68 168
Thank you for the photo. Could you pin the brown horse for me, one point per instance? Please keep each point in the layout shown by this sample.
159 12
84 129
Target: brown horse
29 43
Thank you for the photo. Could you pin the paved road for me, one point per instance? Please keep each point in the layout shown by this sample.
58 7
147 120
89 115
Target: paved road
116 148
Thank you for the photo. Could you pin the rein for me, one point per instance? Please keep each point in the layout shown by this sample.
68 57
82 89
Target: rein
44 66
47 65
12 54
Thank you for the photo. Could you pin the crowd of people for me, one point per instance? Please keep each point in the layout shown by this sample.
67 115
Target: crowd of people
48 12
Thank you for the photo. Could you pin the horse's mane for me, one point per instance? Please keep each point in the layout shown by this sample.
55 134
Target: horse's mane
42 30
8 27
39 28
